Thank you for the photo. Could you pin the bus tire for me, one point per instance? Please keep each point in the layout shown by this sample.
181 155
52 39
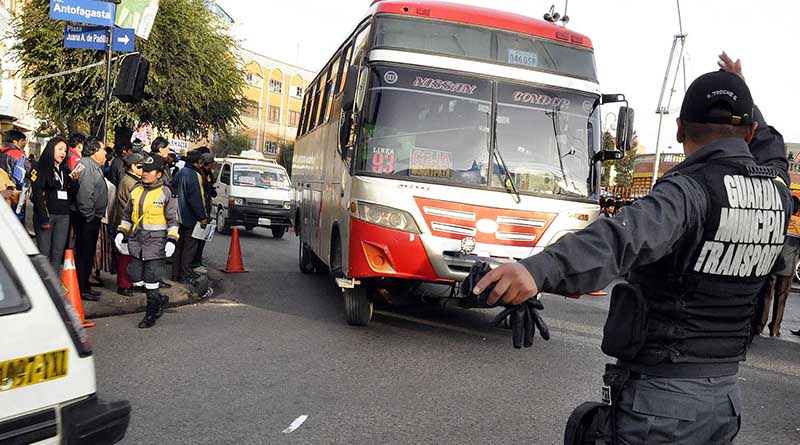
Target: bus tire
222 223
305 258
357 306
277 232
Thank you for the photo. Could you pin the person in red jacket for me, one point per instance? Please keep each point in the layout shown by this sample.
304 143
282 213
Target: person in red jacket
74 149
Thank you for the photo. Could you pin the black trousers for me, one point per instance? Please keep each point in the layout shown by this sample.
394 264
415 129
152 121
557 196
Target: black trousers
150 272
86 234
184 253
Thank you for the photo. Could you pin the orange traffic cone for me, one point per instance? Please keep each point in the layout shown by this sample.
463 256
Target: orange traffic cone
235 255
69 278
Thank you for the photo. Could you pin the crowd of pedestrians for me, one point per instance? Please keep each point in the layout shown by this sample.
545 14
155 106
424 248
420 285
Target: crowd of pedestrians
125 210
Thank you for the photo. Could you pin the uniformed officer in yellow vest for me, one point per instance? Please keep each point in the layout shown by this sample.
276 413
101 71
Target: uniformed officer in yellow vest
148 233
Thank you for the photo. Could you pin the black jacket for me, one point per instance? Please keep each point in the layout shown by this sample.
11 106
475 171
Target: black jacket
45 193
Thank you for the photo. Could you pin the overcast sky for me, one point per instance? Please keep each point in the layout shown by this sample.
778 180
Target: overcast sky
632 41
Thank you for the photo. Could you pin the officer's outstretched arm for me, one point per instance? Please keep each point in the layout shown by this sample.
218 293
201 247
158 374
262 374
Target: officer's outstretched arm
610 247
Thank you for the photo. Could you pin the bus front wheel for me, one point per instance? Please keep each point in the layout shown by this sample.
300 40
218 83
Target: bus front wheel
357 306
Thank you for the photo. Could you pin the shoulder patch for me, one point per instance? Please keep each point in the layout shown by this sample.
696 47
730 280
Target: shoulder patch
762 171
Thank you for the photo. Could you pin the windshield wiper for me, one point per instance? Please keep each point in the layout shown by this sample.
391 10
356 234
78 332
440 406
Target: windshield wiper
509 179
553 117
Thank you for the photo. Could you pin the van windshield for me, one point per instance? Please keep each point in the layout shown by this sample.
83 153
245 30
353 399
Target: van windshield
253 175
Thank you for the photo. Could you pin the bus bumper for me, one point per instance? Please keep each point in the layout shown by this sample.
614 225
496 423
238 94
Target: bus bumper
380 252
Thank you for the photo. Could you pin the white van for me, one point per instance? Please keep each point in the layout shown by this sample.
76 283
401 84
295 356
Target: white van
252 193
47 379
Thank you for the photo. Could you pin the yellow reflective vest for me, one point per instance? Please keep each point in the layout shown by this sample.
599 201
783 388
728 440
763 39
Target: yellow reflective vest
150 220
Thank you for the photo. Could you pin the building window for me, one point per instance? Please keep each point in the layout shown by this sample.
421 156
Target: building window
294 118
254 80
274 114
297 91
276 86
252 144
251 109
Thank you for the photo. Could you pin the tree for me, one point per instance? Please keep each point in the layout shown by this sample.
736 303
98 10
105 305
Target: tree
230 145
624 166
285 157
195 80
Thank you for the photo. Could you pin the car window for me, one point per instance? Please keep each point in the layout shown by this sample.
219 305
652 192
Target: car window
225 178
12 300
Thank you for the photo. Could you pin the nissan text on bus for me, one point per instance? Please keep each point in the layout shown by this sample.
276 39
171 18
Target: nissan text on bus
440 134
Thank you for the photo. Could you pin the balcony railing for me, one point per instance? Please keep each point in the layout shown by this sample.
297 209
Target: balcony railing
666 158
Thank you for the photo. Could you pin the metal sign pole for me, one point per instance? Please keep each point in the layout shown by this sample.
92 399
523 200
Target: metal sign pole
107 97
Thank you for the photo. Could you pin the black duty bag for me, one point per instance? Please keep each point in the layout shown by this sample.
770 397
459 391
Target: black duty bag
625 331
589 424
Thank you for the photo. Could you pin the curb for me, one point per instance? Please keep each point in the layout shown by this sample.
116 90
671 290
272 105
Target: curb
112 303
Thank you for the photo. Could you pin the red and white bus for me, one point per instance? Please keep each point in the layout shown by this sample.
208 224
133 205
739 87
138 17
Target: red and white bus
439 134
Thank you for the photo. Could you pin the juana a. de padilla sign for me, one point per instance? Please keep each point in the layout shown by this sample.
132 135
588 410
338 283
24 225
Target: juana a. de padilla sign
96 37
83 11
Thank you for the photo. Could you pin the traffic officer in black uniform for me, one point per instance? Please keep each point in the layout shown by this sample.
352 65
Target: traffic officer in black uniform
695 252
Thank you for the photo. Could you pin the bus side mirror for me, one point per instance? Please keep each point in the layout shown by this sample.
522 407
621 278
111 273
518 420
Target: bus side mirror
349 93
608 155
624 129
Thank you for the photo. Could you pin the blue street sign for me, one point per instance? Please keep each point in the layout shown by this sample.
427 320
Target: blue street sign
95 37
86 37
123 39
83 11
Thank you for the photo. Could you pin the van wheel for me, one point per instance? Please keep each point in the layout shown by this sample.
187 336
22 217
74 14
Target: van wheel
277 232
222 222
357 306
305 257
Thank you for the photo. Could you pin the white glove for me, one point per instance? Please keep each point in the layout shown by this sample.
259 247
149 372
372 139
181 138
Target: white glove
169 249
122 246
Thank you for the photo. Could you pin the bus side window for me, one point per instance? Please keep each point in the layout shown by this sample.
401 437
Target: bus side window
361 44
342 74
301 127
313 118
324 90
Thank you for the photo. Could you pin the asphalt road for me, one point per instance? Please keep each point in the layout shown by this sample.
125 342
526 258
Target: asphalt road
241 368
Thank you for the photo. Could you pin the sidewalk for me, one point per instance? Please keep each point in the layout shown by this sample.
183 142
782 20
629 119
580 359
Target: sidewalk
111 303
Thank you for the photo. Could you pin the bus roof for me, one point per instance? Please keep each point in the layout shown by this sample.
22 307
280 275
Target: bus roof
474 15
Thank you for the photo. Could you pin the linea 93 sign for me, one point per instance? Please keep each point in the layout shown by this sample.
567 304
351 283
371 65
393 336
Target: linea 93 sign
83 11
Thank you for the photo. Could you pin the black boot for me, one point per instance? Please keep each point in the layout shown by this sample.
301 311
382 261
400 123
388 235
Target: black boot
151 316
163 301
147 322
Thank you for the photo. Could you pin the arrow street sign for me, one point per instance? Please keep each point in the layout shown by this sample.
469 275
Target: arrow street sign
123 40
83 11
96 38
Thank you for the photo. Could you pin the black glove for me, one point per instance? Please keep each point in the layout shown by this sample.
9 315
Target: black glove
523 318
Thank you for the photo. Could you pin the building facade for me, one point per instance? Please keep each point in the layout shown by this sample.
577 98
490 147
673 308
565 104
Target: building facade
16 110
275 98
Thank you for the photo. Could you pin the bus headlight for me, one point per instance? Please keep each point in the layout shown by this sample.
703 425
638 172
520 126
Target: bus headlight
387 217
287 205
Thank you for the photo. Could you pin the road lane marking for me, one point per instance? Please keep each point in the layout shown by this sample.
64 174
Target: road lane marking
295 424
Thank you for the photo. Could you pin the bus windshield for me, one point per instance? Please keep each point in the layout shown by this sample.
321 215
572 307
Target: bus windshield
253 175
433 126
544 137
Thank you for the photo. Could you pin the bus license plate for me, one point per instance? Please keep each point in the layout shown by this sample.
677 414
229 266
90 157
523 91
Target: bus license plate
264 222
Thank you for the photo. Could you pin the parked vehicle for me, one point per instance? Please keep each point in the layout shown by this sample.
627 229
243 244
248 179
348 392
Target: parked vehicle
252 193
47 374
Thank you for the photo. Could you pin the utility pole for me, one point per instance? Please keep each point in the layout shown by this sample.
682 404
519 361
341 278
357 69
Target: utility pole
678 43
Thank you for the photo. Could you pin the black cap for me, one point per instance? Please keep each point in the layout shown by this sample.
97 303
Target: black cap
150 163
709 90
